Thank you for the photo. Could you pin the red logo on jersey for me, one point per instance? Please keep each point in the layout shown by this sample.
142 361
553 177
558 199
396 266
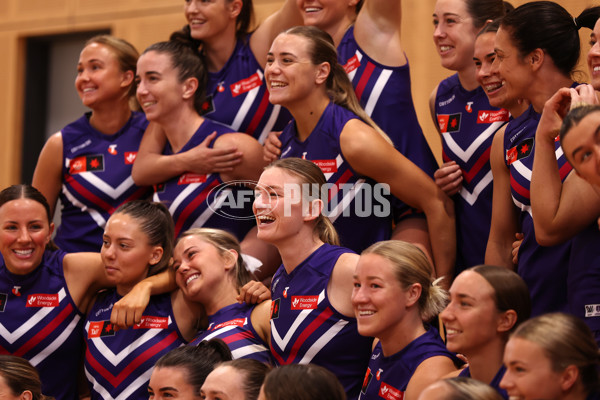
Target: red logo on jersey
449 122
15 291
285 291
490 116
245 85
352 64
42 300
304 302
86 163
327 166
149 322
130 157
378 374
389 392
100 329
189 177
233 322
366 381
112 149
468 107
522 150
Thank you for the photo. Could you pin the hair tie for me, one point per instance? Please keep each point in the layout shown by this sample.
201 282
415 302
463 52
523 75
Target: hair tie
575 22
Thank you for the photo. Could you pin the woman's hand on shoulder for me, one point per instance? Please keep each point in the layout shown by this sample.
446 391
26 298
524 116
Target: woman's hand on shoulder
253 292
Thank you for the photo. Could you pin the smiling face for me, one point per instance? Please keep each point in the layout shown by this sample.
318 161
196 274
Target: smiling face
454 34
529 373
168 383
380 303
511 67
326 14
582 147
208 19
489 80
224 383
279 208
159 92
593 57
471 318
99 76
290 74
126 252
24 234
201 268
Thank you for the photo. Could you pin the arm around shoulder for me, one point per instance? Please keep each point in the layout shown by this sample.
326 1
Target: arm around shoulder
429 371
252 162
47 177
341 283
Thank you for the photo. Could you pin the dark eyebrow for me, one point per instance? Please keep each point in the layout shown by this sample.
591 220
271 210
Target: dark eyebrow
578 149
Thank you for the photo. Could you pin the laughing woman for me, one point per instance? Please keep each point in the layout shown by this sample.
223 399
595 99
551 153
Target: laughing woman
331 128
312 319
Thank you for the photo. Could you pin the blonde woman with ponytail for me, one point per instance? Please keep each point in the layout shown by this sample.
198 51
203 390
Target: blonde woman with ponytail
394 297
331 129
312 320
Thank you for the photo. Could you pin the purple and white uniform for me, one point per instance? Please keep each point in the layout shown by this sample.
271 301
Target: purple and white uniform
96 180
354 200
544 269
237 96
118 364
195 200
40 322
468 123
388 377
233 325
305 328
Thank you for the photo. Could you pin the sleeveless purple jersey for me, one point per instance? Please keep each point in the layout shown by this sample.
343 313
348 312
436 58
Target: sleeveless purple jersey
354 201
232 324
96 180
305 328
40 322
544 269
118 364
196 201
468 123
237 96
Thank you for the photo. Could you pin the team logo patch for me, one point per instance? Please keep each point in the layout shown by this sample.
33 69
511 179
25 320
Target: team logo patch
100 329
112 149
130 157
304 302
15 291
87 164
490 116
378 374
366 381
285 292
245 85
469 107
42 300
233 322
389 392
209 105
275 308
352 64
3 299
520 151
160 188
591 310
327 166
149 322
449 122
189 177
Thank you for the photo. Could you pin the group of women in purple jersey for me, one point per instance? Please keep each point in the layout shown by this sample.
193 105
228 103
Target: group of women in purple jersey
365 240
